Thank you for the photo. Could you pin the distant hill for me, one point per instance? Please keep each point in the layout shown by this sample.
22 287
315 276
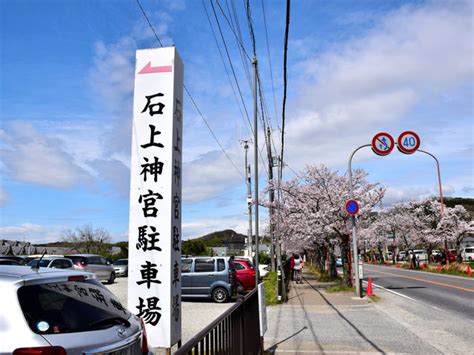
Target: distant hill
221 238
226 237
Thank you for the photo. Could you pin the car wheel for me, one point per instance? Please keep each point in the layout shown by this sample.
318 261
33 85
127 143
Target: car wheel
111 278
219 295
240 288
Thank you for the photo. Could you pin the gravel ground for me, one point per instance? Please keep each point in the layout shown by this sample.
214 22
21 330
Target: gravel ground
196 314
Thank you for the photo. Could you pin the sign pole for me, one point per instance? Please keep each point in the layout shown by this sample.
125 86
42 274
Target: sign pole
355 259
154 278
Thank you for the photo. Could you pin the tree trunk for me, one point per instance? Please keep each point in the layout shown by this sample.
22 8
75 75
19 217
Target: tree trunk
332 272
346 278
322 260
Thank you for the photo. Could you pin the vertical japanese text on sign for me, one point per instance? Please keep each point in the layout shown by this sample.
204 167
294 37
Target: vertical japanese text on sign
154 285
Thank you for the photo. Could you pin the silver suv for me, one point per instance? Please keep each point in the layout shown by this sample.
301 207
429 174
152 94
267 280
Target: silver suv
51 311
95 264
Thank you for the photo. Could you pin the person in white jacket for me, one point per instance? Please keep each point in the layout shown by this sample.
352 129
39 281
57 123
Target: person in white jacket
298 266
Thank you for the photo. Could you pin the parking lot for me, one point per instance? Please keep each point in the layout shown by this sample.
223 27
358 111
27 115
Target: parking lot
196 314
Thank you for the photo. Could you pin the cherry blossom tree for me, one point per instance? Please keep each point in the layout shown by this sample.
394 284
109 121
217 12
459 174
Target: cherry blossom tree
419 224
312 211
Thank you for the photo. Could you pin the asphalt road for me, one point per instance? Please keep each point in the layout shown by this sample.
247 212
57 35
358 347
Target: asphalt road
451 293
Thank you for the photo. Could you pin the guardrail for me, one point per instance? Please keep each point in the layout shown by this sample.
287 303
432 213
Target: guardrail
237 331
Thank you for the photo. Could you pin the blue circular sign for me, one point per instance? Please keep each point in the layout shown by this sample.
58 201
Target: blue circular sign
352 207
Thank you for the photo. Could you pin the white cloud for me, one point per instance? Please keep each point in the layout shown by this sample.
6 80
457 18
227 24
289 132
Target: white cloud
32 233
411 56
4 197
209 175
31 157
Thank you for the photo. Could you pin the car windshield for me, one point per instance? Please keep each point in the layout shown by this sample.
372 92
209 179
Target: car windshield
72 306
38 263
121 262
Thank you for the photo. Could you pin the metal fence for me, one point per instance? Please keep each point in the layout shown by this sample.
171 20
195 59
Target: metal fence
237 331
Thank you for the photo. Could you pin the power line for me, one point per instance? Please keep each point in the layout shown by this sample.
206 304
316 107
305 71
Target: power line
192 99
285 59
231 65
149 23
225 67
239 32
234 74
210 130
269 61
237 37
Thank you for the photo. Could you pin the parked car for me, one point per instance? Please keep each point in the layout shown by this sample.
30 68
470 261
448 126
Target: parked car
263 270
208 277
245 275
59 312
9 262
52 262
467 254
421 254
95 264
401 256
452 255
19 259
121 267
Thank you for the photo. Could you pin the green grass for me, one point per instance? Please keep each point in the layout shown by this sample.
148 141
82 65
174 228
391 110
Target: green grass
340 288
374 298
454 269
321 277
270 283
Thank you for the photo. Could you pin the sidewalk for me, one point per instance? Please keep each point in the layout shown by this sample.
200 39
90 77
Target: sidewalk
314 321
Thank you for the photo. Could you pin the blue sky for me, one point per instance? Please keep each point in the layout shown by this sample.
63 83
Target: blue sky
354 69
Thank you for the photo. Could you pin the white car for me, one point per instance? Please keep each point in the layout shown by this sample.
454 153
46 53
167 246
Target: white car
467 254
263 269
51 311
52 262
421 254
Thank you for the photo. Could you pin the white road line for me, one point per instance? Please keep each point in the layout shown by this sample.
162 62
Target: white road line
409 298
391 291
465 278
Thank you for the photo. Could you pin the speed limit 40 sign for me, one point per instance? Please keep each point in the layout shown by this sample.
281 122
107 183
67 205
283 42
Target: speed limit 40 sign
408 142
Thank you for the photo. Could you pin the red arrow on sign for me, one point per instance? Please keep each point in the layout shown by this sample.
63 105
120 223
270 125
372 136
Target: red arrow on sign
148 69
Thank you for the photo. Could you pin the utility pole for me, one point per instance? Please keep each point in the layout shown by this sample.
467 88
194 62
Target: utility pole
255 146
271 196
248 179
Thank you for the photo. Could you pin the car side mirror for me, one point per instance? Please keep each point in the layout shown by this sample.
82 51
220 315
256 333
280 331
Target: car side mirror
108 262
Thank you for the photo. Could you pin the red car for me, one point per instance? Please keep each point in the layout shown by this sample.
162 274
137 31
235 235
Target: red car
245 274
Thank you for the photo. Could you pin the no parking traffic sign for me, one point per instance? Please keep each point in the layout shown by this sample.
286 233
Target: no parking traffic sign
408 142
352 207
382 143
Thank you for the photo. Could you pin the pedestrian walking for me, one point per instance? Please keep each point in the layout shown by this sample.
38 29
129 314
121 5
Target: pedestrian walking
298 268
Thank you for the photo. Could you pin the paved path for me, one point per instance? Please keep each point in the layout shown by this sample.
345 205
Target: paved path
314 322
451 293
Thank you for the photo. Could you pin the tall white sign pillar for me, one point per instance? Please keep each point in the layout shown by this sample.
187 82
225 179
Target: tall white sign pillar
154 278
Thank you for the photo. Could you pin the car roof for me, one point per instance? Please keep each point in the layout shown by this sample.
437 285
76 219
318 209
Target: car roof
15 274
84 255
51 258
